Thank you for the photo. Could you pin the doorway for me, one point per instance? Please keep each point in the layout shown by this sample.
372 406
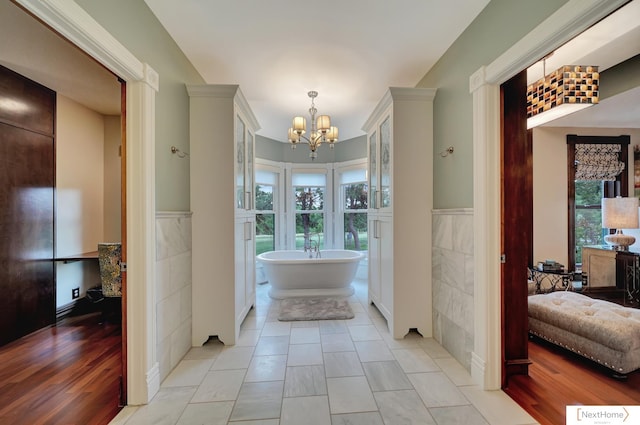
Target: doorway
72 74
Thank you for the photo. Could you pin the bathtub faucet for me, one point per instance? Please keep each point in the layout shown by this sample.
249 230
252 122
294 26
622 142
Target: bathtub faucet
313 246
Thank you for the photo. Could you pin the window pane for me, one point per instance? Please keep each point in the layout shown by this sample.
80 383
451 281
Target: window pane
588 215
309 227
588 192
265 233
264 197
355 231
355 196
309 198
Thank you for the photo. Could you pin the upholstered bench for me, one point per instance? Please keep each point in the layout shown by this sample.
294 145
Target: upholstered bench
599 330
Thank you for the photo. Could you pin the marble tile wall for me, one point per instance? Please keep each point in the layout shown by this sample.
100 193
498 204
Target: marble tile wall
452 277
173 288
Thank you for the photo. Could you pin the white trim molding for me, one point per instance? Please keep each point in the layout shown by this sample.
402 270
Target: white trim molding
568 21
452 211
76 25
174 214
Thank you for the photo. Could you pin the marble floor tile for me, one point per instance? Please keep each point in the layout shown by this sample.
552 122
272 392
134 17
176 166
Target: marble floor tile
458 415
332 343
497 407
413 360
206 413
266 368
343 363
386 376
276 329
304 355
373 351
402 407
219 385
188 373
433 348
305 324
455 371
367 418
233 357
248 338
305 410
303 381
253 321
436 390
258 400
305 335
359 318
338 372
209 350
332 327
350 394
165 408
272 345
364 333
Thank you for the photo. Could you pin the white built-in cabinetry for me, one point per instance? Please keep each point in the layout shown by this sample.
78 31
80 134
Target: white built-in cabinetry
222 134
400 169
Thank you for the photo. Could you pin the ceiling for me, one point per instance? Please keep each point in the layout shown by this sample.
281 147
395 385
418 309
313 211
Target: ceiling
350 62
607 43
349 51
31 49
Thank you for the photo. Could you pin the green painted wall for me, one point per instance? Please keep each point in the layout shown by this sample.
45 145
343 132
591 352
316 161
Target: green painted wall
498 27
134 25
345 150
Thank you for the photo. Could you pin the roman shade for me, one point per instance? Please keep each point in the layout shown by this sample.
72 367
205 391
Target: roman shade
595 161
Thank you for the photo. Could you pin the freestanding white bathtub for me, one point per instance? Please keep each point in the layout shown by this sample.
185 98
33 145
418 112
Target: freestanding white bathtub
294 274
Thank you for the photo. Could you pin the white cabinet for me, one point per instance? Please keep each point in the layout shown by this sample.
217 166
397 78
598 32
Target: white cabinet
400 169
222 129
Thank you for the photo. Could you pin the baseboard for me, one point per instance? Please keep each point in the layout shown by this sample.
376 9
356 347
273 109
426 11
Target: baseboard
67 309
75 308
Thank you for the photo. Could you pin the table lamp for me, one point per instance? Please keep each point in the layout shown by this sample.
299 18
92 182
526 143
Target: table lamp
619 213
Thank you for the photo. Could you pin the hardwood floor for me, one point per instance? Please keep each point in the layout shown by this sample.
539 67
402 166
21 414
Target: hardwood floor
68 374
558 378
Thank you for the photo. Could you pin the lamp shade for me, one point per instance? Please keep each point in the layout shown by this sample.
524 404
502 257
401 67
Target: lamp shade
620 213
299 125
332 135
323 123
293 136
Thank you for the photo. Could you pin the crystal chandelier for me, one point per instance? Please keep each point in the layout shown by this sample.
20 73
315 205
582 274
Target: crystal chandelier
321 129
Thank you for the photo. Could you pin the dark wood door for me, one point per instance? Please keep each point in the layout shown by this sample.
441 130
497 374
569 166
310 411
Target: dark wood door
27 173
517 224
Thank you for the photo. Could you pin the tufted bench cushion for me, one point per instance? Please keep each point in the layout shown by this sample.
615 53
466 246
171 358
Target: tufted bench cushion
600 330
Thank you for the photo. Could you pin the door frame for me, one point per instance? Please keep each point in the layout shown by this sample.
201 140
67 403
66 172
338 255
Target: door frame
142 82
564 24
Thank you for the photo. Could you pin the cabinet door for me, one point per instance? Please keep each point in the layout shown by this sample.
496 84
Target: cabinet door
386 266
373 171
385 163
250 263
249 172
374 260
240 167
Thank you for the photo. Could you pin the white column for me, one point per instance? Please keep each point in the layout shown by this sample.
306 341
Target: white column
486 355
144 374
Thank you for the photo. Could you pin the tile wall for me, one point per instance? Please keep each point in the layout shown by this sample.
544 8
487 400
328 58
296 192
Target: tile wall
173 288
452 277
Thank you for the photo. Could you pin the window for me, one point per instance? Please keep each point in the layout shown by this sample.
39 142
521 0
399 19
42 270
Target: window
309 197
354 201
266 183
597 168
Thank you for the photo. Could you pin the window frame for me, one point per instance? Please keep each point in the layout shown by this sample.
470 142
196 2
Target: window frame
619 187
